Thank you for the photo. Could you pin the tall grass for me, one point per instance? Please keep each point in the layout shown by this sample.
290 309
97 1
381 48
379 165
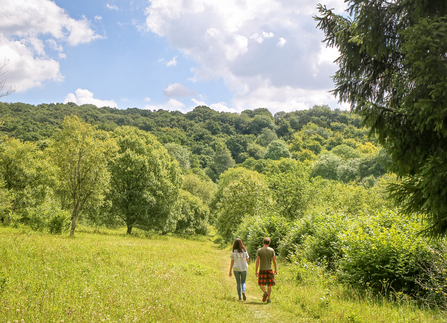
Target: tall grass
108 276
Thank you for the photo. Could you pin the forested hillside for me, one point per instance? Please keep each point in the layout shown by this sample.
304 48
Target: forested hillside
312 180
214 141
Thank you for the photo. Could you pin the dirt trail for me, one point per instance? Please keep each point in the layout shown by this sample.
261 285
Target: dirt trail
262 312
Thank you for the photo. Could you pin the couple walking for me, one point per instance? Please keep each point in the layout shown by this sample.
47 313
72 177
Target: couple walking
264 258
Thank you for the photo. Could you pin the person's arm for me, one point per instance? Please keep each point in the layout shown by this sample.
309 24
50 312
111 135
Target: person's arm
257 265
247 256
231 266
274 264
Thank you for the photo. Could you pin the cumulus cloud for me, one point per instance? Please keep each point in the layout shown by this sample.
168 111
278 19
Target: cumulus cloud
258 47
171 105
23 24
25 71
177 90
83 96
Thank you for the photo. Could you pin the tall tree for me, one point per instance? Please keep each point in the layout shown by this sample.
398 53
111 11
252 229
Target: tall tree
145 182
393 72
81 153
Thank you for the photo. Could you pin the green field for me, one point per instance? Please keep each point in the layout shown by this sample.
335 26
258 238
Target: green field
108 276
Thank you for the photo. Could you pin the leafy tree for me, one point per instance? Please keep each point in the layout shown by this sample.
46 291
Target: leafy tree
204 189
180 154
238 145
346 152
247 195
276 150
190 214
290 187
266 137
80 154
260 122
222 161
326 166
393 72
145 182
25 172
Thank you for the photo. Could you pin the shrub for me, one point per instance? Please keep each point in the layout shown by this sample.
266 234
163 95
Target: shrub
384 250
253 230
48 216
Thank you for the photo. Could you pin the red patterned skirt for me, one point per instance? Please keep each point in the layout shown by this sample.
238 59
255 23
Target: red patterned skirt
266 277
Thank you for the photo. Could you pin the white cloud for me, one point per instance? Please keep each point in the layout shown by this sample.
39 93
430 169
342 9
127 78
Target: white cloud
112 7
26 71
281 42
258 38
147 99
98 18
220 106
23 24
171 105
223 39
172 62
26 19
83 96
177 90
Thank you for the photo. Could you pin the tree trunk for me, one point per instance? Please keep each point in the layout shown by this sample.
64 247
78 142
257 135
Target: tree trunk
129 229
73 225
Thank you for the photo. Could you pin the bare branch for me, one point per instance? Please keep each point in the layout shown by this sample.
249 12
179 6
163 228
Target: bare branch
11 88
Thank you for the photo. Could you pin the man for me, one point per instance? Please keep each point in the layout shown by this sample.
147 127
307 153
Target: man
265 256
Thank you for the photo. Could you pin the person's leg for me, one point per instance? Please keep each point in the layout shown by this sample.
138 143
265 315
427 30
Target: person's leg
269 288
237 275
243 278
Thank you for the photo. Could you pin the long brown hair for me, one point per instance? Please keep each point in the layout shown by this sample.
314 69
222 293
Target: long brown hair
239 245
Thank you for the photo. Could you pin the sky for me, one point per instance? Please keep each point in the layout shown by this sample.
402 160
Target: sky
230 55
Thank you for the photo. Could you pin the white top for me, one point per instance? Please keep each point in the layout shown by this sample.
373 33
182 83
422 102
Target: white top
240 260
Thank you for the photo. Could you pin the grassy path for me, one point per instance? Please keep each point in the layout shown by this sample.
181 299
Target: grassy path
260 312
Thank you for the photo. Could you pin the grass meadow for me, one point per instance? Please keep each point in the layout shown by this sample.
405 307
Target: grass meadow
102 276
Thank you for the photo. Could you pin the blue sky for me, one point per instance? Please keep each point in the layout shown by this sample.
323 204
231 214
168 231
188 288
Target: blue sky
167 54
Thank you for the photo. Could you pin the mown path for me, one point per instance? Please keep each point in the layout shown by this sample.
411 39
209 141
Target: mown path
261 312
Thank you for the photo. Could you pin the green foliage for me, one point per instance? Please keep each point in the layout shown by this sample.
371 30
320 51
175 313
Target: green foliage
190 215
393 72
346 152
180 154
384 251
145 182
80 154
290 187
276 150
205 189
254 229
245 196
48 216
222 161
27 176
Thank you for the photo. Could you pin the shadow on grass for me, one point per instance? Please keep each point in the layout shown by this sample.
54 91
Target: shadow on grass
254 303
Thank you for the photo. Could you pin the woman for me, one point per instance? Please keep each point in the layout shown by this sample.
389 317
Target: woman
239 265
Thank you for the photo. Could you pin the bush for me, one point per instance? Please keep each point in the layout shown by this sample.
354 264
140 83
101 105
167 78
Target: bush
48 216
384 250
190 216
254 229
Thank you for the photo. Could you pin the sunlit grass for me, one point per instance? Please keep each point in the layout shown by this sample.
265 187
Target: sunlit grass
108 276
